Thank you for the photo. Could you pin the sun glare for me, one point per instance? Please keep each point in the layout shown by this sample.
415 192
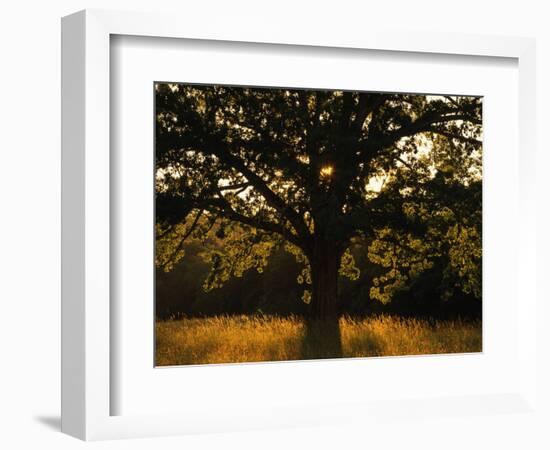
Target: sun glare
327 171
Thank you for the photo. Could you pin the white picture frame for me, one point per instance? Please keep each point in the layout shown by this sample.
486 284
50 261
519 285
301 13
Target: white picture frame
86 221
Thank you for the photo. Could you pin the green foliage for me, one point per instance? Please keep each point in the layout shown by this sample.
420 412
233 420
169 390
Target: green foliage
404 255
306 297
169 248
465 258
348 268
304 278
242 250
440 200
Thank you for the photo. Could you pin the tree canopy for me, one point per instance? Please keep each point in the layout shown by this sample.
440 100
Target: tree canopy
316 172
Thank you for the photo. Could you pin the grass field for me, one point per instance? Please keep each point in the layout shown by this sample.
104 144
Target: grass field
230 339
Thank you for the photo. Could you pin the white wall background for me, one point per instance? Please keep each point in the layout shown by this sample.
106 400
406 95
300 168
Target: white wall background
30 210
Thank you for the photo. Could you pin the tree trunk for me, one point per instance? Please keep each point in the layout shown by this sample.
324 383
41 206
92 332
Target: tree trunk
324 263
322 339
322 331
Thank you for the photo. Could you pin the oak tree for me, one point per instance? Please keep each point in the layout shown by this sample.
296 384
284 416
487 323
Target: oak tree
312 171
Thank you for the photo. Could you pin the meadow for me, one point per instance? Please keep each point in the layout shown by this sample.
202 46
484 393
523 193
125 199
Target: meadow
251 338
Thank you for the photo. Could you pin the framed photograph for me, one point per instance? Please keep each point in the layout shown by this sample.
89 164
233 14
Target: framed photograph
268 228
297 224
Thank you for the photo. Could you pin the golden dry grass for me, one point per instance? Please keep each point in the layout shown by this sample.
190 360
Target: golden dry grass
230 339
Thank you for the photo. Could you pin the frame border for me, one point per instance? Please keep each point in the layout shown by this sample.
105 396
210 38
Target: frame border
85 197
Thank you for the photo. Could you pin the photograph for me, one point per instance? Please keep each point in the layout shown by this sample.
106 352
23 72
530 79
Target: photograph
300 223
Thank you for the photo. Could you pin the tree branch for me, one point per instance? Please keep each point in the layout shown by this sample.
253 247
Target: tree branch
234 187
186 235
423 124
366 108
460 138
222 207
261 186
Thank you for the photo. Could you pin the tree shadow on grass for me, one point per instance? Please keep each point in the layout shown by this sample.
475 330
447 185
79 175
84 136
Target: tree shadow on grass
321 339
